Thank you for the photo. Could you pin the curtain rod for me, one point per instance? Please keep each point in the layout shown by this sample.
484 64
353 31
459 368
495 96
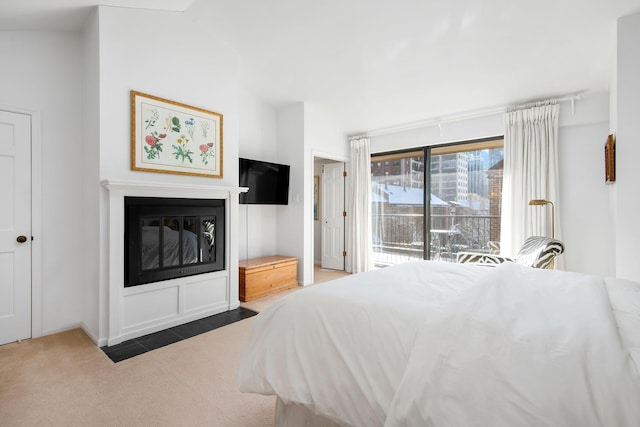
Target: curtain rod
464 116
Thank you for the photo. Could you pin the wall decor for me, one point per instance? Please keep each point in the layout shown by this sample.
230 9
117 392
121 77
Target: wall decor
610 160
170 137
316 196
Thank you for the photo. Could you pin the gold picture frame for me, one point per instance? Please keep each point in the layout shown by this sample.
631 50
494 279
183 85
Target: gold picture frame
176 138
610 160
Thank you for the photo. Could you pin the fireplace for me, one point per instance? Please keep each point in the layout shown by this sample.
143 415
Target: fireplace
133 310
168 238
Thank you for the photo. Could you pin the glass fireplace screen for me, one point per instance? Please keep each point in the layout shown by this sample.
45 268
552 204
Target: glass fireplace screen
170 238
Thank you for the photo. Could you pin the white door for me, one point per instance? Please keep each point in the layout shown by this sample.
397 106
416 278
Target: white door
15 227
332 216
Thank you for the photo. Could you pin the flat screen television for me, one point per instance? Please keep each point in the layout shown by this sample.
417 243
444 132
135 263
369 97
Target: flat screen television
268 183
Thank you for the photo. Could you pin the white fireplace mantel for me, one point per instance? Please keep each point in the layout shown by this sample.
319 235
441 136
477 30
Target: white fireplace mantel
144 309
206 191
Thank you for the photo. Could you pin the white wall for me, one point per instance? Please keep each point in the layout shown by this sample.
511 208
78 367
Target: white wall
42 72
322 135
93 260
257 140
290 218
181 60
323 139
584 203
627 202
464 130
190 67
304 131
613 125
328 145
585 220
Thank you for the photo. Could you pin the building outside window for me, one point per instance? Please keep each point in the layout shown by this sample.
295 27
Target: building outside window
460 213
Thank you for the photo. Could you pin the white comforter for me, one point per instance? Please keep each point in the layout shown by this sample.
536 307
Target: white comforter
428 343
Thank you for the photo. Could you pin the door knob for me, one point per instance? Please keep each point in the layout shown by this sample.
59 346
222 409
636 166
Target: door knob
21 239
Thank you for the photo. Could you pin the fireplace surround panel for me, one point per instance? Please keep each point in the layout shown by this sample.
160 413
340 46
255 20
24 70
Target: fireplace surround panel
134 311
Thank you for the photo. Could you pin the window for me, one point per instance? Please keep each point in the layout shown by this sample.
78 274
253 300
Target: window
462 211
397 207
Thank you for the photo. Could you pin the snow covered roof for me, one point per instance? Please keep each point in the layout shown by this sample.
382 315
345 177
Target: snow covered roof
399 195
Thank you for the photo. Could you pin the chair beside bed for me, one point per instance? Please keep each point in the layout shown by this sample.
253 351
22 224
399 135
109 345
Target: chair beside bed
536 251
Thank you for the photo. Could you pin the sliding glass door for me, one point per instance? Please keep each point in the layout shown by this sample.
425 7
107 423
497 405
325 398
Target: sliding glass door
461 211
397 207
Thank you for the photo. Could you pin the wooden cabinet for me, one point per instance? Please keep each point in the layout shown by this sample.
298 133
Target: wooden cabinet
260 277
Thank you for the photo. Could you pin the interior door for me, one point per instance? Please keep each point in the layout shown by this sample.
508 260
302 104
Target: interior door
15 227
332 216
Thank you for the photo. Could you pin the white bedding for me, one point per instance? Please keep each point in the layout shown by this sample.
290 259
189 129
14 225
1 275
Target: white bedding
427 343
624 296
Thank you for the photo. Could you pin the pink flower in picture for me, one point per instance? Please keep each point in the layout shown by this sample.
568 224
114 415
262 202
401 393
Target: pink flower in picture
206 152
154 145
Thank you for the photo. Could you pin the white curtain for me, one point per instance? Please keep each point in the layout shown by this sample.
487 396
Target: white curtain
359 247
530 172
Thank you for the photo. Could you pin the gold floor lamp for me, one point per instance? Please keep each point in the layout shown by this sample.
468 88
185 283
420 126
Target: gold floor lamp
540 202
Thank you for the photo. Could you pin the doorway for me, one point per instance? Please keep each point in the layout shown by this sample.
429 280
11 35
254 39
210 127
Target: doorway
328 252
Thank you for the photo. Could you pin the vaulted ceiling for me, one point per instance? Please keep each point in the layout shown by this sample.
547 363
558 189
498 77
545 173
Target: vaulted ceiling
377 63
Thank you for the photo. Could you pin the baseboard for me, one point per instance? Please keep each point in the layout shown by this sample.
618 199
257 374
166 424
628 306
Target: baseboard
59 330
99 342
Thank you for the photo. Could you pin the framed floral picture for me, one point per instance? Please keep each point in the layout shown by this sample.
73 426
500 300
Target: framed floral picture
170 137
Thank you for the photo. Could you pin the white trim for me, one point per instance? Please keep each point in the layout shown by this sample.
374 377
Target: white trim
329 156
99 342
36 225
66 328
184 190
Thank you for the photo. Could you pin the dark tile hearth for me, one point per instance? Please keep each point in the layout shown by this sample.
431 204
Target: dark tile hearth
133 347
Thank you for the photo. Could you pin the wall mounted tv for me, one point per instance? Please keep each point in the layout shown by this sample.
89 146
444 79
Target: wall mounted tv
268 183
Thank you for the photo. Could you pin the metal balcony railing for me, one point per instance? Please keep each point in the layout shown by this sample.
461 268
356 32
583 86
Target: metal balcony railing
400 237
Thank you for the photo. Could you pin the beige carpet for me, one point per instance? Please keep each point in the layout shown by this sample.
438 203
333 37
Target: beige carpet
65 380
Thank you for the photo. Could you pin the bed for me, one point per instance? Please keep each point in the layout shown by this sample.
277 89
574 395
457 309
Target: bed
441 344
